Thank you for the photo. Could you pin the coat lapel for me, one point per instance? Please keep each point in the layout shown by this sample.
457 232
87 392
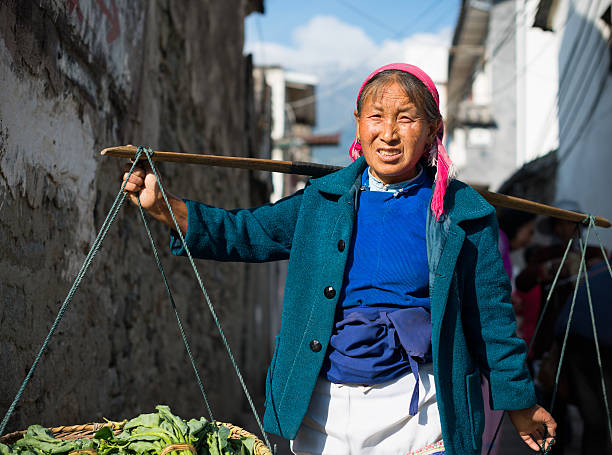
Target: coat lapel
342 181
441 277
444 242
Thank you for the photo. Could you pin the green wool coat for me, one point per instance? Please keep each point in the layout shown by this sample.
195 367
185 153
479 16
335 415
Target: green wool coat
473 325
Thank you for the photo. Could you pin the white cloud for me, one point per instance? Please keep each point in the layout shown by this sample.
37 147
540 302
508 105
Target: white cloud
329 48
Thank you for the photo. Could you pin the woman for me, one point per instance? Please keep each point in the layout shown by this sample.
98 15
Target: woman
393 304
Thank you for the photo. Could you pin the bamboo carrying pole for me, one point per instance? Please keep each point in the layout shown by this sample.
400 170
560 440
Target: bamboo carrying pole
319 170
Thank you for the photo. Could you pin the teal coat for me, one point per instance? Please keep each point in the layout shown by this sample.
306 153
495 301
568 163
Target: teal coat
473 326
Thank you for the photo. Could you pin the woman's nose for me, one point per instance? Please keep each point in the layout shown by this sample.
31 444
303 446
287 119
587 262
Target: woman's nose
389 131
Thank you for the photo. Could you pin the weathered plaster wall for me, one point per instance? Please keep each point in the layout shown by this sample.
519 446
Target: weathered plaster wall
77 76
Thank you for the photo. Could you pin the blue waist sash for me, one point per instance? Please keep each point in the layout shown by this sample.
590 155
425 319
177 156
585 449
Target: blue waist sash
372 346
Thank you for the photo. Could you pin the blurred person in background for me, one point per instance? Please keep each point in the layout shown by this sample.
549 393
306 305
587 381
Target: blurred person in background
535 281
581 366
542 264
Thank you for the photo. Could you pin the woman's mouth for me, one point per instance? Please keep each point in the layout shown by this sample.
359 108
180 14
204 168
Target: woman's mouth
388 154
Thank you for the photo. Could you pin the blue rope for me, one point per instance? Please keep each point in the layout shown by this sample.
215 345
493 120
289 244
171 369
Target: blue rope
178 319
590 220
149 154
119 199
543 449
110 218
595 337
583 248
550 293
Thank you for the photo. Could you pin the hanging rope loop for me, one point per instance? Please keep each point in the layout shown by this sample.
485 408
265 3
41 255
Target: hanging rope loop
178 319
110 217
590 223
148 153
119 199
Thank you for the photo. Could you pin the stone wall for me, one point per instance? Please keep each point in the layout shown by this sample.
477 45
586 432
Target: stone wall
77 76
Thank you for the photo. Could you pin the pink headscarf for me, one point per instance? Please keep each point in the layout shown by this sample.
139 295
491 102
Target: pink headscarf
441 158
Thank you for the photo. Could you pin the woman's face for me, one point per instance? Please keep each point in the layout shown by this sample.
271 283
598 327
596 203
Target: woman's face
393 134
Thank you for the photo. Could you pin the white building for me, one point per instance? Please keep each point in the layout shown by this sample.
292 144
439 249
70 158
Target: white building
293 117
582 110
527 78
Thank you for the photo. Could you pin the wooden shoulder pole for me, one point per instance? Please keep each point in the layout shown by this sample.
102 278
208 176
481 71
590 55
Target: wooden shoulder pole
319 170
511 202
253 164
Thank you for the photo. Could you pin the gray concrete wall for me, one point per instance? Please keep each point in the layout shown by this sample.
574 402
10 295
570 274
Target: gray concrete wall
585 114
77 76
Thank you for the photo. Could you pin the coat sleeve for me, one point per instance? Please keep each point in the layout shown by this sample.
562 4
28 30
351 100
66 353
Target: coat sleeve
491 324
259 234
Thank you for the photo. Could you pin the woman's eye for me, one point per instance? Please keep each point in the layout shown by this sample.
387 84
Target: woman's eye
405 118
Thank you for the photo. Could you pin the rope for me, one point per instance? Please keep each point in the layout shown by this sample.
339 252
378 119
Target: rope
583 248
110 218
178 319
546 449
535 334
550 293
149 153
595 337
590 220
119 199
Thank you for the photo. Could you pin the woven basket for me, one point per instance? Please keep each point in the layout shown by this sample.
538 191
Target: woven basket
88 430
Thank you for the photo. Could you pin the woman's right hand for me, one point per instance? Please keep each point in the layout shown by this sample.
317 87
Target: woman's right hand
143 183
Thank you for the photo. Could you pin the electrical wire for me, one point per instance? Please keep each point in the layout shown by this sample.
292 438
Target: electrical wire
342 81
568 77
581 130
508 32
578 47
372 19
550 117
592 63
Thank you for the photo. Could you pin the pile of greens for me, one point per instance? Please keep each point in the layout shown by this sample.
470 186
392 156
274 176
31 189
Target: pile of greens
147 434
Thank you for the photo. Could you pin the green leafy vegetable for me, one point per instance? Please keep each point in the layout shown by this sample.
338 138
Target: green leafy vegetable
147 434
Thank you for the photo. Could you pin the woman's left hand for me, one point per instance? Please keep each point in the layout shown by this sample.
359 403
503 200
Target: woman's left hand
534 425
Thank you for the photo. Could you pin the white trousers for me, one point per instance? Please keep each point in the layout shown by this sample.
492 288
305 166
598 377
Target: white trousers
345 419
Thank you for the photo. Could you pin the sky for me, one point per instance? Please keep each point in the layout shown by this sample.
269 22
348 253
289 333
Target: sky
341 41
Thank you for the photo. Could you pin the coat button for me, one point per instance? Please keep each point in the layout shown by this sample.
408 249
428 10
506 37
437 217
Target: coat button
341 245
329 292
315 346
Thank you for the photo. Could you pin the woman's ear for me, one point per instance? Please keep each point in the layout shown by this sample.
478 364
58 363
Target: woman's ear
357 123
433 131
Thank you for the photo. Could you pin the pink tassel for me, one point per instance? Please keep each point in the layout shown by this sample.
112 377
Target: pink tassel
355 150
443 168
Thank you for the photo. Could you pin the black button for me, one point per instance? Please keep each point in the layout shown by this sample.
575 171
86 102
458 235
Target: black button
329 292
341 245
315 346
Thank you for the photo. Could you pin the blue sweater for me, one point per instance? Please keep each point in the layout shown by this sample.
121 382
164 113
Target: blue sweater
387 260
383 309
